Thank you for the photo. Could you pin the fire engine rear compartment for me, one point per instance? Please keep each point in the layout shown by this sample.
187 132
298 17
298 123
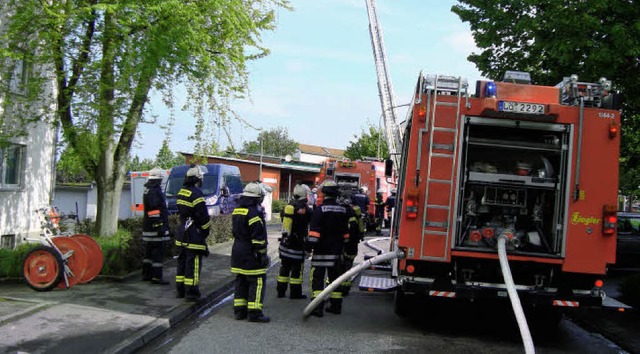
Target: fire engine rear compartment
511 182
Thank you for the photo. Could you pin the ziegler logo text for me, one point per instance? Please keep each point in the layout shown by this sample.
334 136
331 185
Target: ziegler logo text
576 219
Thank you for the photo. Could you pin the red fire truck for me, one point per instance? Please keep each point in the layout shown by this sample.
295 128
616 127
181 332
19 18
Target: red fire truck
535 164
368 174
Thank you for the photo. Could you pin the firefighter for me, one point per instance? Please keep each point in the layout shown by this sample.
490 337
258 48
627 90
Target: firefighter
356 234
295 228
390 203
191 237
249 259
379 204
361 199
155 228
327 235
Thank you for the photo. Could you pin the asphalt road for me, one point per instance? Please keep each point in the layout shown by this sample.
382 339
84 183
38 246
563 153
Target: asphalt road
368 325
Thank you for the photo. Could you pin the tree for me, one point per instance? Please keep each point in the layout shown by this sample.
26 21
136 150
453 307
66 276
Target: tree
166 159
69 169
107 56
275 142
369 144
552 39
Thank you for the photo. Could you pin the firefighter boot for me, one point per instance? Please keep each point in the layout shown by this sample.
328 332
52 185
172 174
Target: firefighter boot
282 288
192 294
296 292
319 310
146 271
179 290
335 308
258 316
240 313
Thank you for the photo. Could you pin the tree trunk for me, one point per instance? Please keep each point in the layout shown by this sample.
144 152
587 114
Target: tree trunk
110 179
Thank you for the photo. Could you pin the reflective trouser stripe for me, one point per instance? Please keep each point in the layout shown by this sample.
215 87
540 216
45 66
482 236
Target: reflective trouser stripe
296 281
179 278
336 295
146 260
282 279
257 305
240 302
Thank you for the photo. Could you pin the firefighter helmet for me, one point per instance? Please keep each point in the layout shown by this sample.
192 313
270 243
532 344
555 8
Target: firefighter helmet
253 189
156 173
329 188
300 191
196 171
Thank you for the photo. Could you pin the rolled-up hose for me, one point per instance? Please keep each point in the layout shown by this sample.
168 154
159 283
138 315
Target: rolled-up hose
348 274
513 296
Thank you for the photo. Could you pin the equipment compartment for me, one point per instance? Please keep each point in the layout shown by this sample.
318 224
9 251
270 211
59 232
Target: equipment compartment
512 175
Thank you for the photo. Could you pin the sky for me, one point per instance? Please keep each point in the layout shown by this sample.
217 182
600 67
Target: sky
319 82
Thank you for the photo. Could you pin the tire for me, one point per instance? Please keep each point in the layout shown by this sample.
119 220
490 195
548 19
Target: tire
403 303
42 268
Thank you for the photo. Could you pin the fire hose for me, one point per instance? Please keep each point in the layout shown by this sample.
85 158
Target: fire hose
348 274
513 296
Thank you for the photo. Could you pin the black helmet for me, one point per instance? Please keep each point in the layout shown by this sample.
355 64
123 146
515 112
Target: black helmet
329 188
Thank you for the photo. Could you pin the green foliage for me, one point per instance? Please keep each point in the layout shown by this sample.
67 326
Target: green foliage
123 252
166 159
278 205
69 168
630 289
221 229
275 142
370 143
11 260
137 164
553 39
108 57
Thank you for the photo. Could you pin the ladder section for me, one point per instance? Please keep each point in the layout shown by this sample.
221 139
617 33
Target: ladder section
444 95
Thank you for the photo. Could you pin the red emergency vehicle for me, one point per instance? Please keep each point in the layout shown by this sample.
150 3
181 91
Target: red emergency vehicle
535 164
368 174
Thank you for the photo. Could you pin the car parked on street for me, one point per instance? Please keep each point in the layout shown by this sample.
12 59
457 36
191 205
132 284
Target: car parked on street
628 247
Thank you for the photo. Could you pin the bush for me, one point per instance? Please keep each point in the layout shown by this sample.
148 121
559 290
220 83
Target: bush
124 251
11 260
277 206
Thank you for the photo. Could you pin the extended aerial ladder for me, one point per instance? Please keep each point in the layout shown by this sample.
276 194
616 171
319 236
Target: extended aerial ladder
387 98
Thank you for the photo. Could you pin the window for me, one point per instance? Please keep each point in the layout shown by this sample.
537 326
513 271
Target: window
11 166
18 80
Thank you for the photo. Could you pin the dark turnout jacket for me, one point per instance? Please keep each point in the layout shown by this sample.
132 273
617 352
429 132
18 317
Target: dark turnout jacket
249 249
328 233
195 219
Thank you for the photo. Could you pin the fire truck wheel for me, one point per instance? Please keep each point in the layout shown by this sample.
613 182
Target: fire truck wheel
543 321
94 252
42 268
403 303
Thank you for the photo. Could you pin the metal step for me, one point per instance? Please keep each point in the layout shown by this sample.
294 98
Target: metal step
614 304
372 284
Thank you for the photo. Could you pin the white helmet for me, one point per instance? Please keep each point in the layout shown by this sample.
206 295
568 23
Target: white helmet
196 171
156 173
253 189
380 191
300 191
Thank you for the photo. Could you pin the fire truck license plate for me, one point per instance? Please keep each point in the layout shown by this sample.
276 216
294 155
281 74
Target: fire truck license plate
520 107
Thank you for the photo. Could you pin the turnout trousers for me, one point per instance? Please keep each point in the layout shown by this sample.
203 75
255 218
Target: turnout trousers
153 258
290 273
249 294
188 273
322 275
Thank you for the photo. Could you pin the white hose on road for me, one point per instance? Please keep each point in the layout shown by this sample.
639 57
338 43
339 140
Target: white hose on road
348 274
513 296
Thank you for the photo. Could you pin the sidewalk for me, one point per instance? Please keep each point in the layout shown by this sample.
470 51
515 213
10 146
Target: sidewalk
107 316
